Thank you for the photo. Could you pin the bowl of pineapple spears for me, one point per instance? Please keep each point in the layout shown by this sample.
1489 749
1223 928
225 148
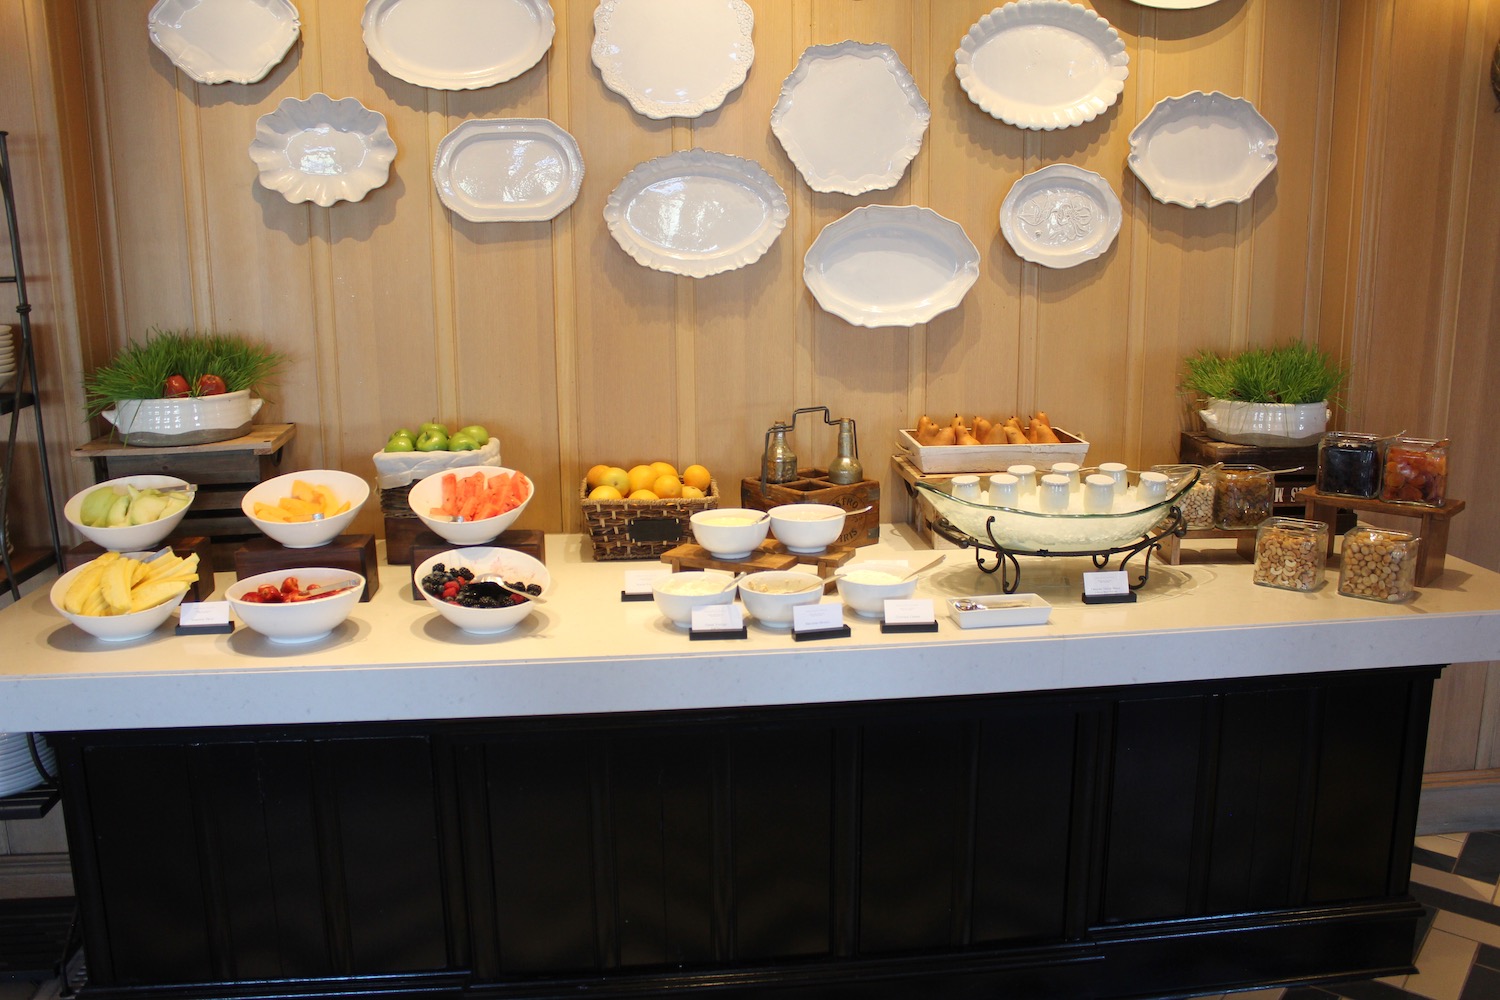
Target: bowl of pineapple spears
121 596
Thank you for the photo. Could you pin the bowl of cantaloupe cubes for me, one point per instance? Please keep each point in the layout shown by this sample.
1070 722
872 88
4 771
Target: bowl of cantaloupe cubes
470 507
305 509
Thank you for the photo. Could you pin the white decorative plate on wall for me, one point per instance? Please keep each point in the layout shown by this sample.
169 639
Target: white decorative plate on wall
322 150
673 58
508 170
890 265
1042 64
850 117
224 41
696 212
1060 216
1176 4
457 44
1203 149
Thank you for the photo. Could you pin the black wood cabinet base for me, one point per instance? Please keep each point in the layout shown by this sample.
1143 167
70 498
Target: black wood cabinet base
1130 842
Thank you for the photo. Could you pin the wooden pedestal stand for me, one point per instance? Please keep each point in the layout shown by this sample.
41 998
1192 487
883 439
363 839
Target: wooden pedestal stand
1432 527
771 555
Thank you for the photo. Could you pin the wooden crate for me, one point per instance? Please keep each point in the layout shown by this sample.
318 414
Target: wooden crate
921 514
813 486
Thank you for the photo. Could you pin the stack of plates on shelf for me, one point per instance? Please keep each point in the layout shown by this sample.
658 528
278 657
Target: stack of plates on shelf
7 355
17 770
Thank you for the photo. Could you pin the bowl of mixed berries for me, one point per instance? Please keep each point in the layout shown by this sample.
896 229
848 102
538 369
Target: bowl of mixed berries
483 589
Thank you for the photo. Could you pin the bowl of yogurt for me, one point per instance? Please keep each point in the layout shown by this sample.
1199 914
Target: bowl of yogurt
677 594
771 595
730 532
865 589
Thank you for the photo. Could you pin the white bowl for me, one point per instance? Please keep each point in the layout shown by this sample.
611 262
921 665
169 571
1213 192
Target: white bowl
131 537
807 528
775 609
730 541
1267 425
189 420
868 599
307 534
678 606
513 566
302 621
112 628
427 493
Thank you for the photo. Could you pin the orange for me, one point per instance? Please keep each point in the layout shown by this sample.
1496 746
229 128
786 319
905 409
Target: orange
664 469
642 476
667 487
604 492
692 493
595 476
644 495
697 477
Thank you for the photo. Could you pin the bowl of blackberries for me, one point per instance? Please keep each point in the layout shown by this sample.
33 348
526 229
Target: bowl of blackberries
483 589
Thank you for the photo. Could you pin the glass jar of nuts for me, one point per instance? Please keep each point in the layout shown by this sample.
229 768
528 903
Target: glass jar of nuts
1378 564
1289 553
1243 495
1197 504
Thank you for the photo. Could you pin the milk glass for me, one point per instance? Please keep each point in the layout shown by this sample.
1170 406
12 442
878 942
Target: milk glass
1053 493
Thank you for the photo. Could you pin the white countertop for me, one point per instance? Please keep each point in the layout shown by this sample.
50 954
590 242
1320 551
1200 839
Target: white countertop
586 651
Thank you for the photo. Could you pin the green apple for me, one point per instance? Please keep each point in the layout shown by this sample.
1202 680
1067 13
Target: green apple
400 442
433 428
434 440
402 432
463 442
477 432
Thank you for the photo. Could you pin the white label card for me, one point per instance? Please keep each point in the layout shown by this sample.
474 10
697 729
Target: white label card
641 581
201 613
817 617
718 618
910 612
1106 583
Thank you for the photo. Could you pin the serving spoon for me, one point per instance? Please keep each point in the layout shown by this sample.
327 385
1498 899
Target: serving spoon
493 579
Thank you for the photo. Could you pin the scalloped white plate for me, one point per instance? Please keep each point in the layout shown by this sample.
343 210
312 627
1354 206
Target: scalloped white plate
224 41
673 58
1042 64
508 169
1176 4
890 265
457 44
322 150
696 212
850 117
1060 216
1202 149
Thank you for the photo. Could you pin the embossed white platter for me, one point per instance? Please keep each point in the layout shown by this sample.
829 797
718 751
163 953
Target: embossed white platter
673 58
508 170
1042 64
1060 216
224 41
1202 149
457 44
1176 4
850 117
322 150
696 212
890 265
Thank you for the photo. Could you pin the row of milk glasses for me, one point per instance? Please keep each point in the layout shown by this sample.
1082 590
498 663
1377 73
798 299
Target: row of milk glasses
1019 487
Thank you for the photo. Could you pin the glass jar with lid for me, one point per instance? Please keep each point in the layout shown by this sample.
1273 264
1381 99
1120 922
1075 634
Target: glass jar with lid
1290 553
1197 504
1416 471
1378 564
1349 464
1243 495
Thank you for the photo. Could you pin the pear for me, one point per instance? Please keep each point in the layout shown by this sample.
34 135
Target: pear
119 512
175 502
94 511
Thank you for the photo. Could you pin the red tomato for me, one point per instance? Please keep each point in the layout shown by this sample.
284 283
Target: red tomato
211 385
175 387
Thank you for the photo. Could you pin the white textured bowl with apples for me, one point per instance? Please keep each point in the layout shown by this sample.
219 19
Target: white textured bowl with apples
426 495
297 621
307 534
128 537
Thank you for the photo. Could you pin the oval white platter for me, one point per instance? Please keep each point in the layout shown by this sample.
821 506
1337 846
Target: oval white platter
224 41
1042 64
1060 216
673 58
1202 149
890 265
457 44
850 117
508 170
322 150
696 212
1176 4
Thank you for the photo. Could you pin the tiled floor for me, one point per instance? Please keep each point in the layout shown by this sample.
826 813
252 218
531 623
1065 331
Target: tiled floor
1456 876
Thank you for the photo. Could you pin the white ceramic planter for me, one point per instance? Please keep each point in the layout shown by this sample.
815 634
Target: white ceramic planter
155 423
1269 425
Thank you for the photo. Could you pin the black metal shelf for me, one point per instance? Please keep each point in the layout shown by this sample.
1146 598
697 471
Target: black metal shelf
34 803
12 401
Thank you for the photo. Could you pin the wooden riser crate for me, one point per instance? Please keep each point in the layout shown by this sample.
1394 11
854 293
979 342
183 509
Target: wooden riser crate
813 486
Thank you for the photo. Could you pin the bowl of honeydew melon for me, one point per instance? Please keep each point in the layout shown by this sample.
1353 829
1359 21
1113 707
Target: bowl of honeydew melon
129 514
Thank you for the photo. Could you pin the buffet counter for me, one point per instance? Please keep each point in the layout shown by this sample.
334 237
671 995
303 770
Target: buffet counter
1212 788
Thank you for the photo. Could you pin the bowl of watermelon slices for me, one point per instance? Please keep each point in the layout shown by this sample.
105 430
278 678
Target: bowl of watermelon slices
470 506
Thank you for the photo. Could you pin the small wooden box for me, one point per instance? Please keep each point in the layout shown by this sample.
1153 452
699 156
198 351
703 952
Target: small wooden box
959 458
198 591
355 553
813 486
425 544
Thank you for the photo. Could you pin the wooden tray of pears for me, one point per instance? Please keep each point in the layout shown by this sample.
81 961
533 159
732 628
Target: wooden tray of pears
988 446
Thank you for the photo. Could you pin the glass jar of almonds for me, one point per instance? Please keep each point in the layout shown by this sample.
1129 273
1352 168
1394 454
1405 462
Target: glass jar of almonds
1378 564
1197 504
1289 553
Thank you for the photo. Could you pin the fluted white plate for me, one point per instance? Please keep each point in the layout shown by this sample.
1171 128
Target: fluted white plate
1202 150
508 170
322 150
224 41
1176 4
696 212
1060 216
673 58
890 265
457 44
850 117
1042 64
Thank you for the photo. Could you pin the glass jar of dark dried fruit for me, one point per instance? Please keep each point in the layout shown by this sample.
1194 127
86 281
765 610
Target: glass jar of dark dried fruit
1349 464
